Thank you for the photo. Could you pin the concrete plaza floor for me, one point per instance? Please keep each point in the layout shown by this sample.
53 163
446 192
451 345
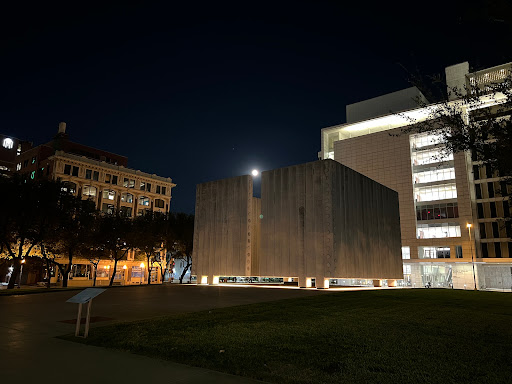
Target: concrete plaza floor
29 351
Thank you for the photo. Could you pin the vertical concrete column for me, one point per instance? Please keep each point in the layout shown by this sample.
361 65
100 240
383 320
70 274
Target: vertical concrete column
377 283
215 280
392 283
303 282
204 279
322 283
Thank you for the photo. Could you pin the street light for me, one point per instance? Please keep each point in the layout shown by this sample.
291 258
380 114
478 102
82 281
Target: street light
21 272
141 272
472 258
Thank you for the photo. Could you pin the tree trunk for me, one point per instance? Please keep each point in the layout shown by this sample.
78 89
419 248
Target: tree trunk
149 269
65 278
15 273
185 269
94 278
49 273
113 273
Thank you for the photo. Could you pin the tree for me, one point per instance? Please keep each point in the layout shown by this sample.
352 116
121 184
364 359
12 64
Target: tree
28 219
478 120
148 236
115 237
180 238
76 219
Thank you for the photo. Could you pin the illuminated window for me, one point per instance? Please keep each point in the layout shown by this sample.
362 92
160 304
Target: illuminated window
406 252
142 186
425 140
128 183
434 175
127 198
148 187
429 157
18 166
407 269
107 208
109 194
434 231
437 211
434 252
8 143
143 200
90 191
68 186
436 192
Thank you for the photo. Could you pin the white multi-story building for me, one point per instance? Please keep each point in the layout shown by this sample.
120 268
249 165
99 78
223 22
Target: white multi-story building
451 214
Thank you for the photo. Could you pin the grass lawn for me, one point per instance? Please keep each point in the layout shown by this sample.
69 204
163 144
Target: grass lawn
386 336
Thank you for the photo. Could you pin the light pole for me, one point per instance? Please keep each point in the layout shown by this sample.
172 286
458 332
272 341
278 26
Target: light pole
21 272
141 272
472 258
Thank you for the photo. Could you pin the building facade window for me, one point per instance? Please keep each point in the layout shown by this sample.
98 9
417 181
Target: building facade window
433 231
108 178
434 252
95 175
143 200
406 252
490 187
433 175
495 230
483 232
437 211
18 166
142 186
114 179
90 191
436 192
128 183
75 171
493 209
157 189
148 187
497 250
485 250
109 194
69 186
127 197
125 211
458 251
159 203
88 174
478 191
163 190
107 208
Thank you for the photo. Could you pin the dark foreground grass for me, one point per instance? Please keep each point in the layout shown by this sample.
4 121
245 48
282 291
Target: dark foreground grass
388 336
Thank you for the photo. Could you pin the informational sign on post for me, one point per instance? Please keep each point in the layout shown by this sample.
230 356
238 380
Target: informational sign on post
84 297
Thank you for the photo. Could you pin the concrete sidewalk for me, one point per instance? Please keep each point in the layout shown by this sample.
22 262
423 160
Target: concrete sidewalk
29 323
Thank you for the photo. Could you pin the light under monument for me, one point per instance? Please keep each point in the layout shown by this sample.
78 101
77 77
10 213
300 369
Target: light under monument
319 220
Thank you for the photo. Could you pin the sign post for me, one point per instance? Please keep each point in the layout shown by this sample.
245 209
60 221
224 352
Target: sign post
84 297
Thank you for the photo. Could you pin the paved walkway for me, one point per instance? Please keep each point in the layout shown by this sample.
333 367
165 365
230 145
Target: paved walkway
30 352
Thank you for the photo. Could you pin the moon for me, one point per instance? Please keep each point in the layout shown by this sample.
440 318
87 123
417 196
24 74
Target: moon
255 172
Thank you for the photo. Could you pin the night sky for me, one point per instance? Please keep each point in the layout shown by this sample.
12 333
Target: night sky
203 91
